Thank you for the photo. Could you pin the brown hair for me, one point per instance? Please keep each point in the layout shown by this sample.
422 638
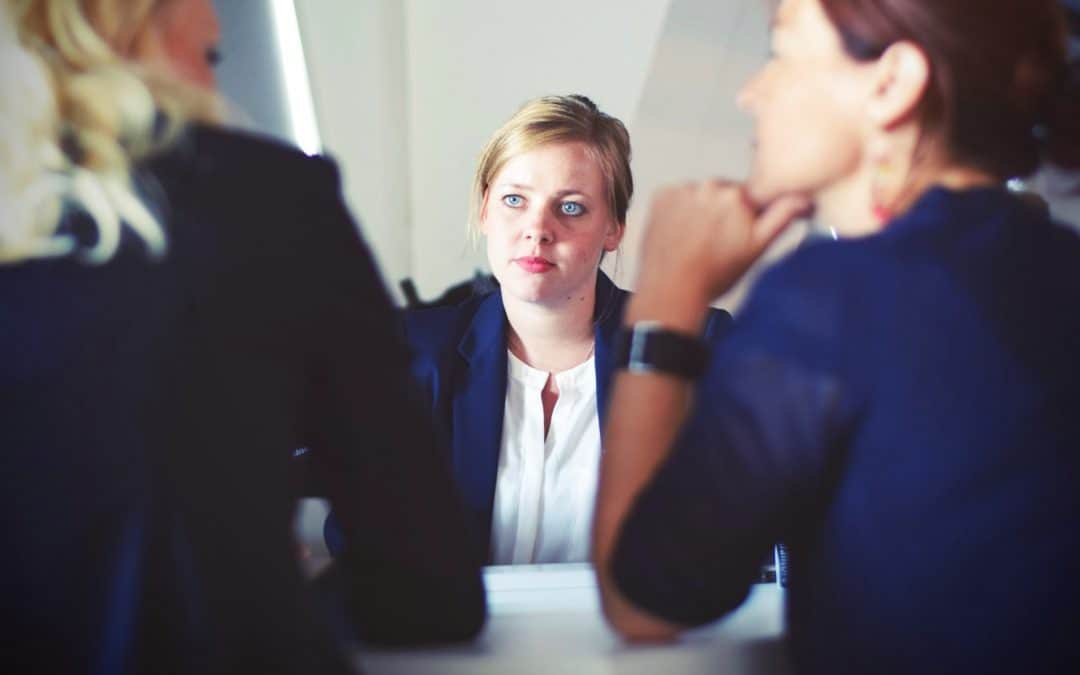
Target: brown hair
559 119
1001 90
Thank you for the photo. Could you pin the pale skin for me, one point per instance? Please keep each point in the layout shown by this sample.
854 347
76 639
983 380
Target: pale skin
182 37
547 223
824 122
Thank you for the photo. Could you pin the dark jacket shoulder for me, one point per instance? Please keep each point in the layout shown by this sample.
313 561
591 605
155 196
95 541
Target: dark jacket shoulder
204 148
436 329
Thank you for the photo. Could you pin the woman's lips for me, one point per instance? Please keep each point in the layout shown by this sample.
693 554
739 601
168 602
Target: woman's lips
534 264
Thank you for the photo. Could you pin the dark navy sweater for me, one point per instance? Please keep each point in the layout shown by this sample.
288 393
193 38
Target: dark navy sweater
904 410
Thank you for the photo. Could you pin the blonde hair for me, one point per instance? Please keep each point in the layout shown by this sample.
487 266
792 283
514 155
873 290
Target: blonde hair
559 119
75 116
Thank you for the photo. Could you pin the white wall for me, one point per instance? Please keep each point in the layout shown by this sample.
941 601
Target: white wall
355 53
248 76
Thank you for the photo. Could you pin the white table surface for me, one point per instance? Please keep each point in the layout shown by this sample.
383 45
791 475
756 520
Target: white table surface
546 619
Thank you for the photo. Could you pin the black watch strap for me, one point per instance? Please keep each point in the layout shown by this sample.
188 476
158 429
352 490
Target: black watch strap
649 347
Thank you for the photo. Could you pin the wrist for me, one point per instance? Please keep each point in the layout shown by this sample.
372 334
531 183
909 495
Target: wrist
675 309
649 347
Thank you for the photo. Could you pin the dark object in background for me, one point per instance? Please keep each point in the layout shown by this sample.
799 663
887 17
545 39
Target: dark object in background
1072 14
480 284
781 553
1035 201
1067 153
775 568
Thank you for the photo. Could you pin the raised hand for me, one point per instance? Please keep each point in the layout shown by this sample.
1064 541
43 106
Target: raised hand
702 236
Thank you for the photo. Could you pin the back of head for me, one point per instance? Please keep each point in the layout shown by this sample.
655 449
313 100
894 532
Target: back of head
78 110
559 119
1002 94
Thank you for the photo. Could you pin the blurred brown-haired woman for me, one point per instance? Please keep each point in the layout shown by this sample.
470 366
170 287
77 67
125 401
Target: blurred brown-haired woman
899 405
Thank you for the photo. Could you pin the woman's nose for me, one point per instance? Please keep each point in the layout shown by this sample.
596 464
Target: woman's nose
538 226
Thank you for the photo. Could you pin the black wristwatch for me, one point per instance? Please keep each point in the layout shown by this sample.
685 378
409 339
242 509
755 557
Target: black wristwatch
649 347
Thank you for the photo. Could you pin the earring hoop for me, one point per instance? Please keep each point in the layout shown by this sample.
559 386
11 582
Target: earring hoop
880 207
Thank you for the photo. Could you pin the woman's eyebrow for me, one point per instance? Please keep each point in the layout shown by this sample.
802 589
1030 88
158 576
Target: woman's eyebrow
561 193
572 191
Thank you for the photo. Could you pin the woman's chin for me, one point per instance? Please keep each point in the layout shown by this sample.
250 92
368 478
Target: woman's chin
527 290
761 190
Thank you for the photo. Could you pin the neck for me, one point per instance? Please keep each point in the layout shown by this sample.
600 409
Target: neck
964 178
553 338
847 206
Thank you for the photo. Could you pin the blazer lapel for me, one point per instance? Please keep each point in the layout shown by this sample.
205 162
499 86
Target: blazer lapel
478 404
608 317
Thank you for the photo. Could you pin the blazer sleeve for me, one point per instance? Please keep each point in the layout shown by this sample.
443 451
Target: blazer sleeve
403 570
752 460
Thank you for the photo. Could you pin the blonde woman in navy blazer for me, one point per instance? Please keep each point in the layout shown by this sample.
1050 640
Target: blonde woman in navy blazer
550 198
460 358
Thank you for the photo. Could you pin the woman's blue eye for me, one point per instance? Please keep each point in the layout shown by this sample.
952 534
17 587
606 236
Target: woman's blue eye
571 208
513 201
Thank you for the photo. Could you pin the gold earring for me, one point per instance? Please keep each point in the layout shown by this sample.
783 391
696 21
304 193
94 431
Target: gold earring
880 206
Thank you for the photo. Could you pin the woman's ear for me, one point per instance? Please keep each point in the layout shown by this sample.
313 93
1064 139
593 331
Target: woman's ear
901 76
614 236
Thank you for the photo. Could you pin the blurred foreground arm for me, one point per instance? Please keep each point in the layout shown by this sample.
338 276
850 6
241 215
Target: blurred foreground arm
406 569
699 241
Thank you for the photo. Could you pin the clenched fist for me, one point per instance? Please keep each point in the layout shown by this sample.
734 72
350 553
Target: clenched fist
702 236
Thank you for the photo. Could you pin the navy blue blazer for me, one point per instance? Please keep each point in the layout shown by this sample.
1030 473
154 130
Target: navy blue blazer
459 359
150 410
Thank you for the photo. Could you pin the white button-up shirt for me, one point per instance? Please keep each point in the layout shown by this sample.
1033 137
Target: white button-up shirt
546 488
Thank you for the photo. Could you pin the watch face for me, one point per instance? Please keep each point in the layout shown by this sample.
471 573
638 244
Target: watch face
646 347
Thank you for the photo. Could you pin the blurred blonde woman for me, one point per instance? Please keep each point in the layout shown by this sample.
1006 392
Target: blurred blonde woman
183 306
94 93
